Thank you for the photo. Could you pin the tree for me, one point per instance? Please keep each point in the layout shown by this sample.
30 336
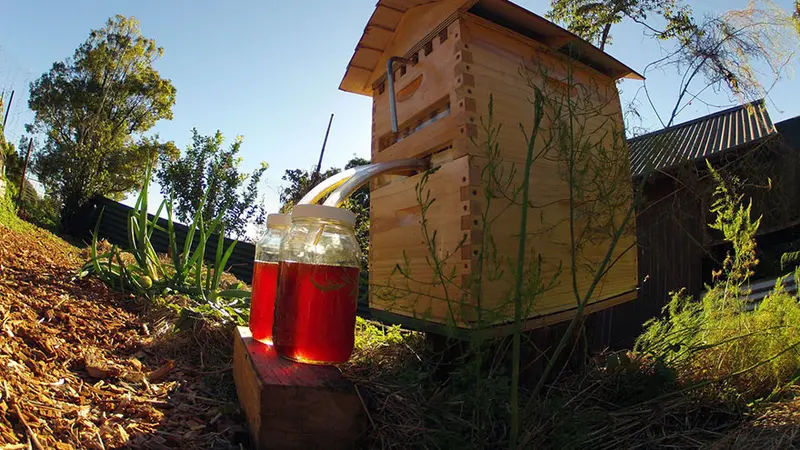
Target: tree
723 52
92 110
593 19
8 155
796 15
743 52
15 161
207 168
300 183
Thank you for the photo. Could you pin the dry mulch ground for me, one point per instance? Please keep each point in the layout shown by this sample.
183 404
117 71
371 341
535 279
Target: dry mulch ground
82 366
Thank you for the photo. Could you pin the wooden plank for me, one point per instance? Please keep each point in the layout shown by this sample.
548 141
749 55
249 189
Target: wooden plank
376 37
291 405
386 16
560 317
432 138
503 329
549 238
506 66
512 106
416 25
436 74
505 41
396 230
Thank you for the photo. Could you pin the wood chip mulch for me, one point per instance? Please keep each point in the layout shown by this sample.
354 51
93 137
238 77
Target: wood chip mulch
82 366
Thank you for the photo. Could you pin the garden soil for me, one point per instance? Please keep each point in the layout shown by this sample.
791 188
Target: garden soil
85 367
82 366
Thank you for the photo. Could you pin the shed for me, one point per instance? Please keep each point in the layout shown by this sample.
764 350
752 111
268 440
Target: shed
452 57
676 248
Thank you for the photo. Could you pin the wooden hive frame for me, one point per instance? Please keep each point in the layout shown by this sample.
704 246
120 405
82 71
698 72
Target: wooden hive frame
462 53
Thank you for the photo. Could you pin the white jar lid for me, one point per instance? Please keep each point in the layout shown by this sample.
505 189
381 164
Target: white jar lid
323 212
279 220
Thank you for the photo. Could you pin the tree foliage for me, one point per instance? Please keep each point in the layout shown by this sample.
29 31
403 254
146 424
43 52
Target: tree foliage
300 182
208 168
741 52
15 162
796 15
92 110
593 19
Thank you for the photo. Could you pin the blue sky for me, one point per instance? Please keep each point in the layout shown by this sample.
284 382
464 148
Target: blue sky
270 70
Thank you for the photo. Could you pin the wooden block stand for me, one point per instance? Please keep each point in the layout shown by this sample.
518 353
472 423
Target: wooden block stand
291 405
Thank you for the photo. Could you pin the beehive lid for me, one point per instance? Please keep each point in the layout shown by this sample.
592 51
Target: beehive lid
385 19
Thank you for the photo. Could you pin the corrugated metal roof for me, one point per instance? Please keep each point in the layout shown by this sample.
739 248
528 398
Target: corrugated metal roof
700 138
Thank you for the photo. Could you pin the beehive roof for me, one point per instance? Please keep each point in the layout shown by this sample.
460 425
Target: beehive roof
385 19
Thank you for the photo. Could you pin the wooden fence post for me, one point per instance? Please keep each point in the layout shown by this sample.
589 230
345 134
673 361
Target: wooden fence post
24 170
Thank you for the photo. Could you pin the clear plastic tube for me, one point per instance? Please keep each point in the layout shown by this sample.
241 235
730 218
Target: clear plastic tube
366 173
327 185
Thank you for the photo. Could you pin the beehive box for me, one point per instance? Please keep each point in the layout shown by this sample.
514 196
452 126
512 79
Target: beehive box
459 55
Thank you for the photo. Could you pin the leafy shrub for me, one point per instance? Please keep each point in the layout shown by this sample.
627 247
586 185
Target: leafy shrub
717 340
208 167
372 338
6 204
43 212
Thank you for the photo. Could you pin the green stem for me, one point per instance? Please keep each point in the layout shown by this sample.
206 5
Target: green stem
523 234
579 312
571 173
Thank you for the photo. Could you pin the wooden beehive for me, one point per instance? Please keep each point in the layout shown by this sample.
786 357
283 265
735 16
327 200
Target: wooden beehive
459 54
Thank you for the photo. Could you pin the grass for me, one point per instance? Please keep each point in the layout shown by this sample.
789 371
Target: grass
10 219
8 214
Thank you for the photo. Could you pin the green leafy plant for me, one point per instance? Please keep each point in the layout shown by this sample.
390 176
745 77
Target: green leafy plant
207 168
717 342
40 211
139 268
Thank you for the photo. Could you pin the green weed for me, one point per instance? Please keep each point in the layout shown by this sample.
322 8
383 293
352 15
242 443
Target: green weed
139 269
716 343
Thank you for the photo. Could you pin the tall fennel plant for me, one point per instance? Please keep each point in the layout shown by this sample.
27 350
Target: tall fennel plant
716 341
589 147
